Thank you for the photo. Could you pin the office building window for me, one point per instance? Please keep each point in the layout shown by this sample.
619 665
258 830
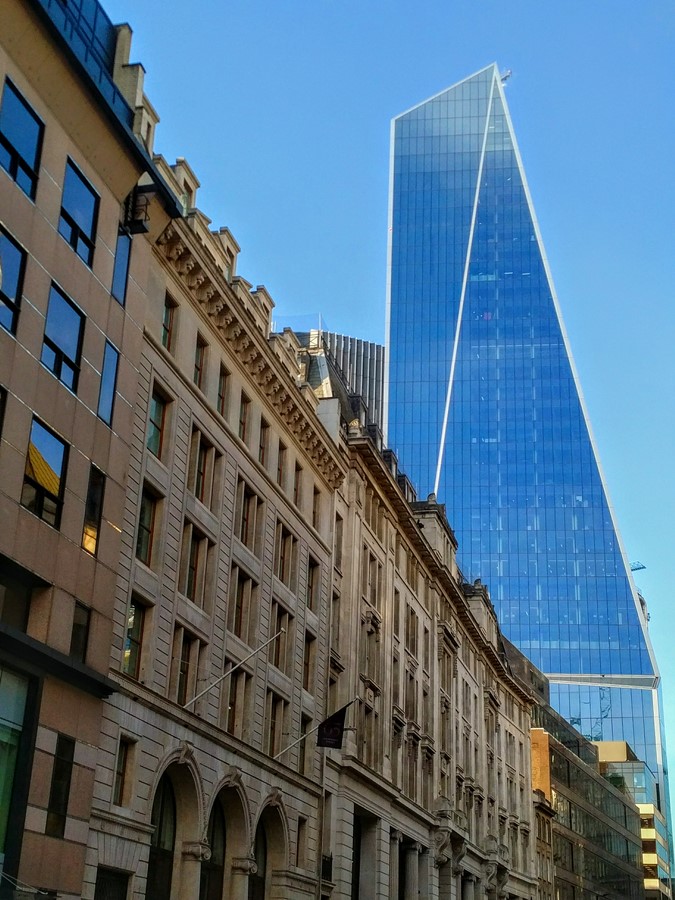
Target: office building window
106 394
337 541
122 767
146 527
242 607
316 508
133 644
281 650
121 266
59 793
93 510
169 323
249 517
237 694
297 484
313 584
44 475
263 442
62 344
309 662
13 266
276 709
186 663
157 422
194 571
244 417
285 558
15 597
20 140
199 375
79 212
281 464
111 884
223 391
204 469
79 634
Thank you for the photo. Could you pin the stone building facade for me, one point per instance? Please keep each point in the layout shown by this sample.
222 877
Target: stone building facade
430 795
71 321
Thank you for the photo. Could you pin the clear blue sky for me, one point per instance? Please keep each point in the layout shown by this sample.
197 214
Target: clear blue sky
283 109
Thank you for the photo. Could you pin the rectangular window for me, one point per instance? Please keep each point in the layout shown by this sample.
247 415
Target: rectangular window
106 394
62 344
199 374
194 580
122 766
44 475
297 484
281 650
12 267
238 696
335 622
281 465
20 140
121 266
14 600
146 527
337 542
223 390
133 644
111 884
204 467
309 662
316 508
3 405
242 605
156 423
186 656
79 212
313 583
249 517
285 556
244 417
79 634
169 324
93 510
59 793
263 442
276 708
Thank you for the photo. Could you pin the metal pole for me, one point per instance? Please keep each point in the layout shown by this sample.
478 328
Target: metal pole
234 669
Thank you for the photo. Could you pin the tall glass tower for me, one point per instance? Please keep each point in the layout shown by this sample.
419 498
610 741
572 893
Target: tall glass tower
484 409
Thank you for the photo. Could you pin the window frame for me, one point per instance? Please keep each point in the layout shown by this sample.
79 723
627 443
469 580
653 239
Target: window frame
121 265
146 528
133 640
201 348
61 358
103 401
93 511
154 428
169 323
41 491
13 304
17 162
82 243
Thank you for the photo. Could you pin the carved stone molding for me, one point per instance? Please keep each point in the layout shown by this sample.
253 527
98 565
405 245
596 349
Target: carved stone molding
198 850
245 864
238 328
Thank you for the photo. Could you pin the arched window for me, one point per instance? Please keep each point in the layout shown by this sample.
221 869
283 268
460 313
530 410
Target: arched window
213 870
160 864
256 883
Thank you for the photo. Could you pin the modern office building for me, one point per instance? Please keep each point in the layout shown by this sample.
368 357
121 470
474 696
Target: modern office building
485 411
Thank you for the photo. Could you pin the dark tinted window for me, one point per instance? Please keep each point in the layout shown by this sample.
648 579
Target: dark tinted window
121 268
93 510
106 396
43 480
20 139
63 338
12 263
79 210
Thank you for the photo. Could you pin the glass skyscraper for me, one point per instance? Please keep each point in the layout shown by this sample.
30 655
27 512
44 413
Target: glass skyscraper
483 408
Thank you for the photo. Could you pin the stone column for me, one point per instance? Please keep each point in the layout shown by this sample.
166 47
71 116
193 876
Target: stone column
412 853
395 839
468 884
242 867
191 866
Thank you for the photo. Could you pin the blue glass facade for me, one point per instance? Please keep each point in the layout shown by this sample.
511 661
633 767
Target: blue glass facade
484 410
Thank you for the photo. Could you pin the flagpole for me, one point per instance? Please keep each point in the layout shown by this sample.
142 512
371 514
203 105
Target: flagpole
298 741
234 669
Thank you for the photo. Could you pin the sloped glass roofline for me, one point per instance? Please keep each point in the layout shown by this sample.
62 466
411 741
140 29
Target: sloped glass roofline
492 72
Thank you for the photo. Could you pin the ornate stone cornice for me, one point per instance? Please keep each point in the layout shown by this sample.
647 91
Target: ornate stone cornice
243 335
